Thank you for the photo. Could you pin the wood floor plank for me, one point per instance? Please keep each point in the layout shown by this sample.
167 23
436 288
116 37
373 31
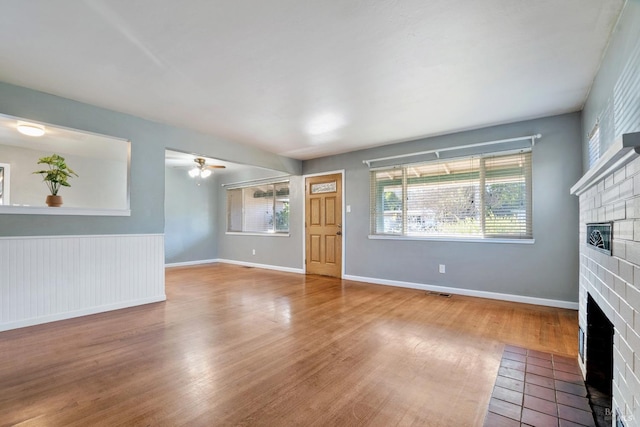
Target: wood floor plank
242 346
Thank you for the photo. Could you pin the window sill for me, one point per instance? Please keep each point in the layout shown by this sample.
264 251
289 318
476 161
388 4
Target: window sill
42 210
241 233
453 239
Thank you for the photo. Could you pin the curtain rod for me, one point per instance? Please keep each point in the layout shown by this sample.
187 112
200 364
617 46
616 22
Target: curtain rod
273 180
459 147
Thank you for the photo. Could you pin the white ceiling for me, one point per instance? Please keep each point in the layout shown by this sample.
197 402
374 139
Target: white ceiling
178 159
312 78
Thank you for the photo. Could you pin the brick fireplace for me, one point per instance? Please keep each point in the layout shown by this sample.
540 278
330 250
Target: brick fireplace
610 283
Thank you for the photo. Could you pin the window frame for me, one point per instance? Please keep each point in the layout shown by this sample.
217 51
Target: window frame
5 184
485 235
252 186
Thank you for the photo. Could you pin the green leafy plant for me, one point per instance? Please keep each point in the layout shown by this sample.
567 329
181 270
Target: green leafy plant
57 174
282 218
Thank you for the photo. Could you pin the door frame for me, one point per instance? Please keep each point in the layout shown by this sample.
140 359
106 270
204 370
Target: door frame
304 217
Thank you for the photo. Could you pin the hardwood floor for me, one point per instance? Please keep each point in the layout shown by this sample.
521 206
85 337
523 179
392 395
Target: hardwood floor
241 346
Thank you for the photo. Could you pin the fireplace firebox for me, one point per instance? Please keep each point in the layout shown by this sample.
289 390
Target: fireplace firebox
599 362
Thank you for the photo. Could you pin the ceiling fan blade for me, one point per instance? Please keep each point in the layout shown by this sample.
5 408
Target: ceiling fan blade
215 166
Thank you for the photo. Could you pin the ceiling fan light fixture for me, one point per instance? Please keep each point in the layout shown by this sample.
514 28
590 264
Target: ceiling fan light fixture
202 170
30 129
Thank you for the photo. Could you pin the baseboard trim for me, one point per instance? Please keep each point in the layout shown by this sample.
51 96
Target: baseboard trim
265 266
79 313
467 292
187 263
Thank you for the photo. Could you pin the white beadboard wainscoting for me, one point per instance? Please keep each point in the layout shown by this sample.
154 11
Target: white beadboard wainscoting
44 279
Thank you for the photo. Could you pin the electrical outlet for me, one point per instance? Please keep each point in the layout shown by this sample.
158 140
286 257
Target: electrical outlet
441 268
253 252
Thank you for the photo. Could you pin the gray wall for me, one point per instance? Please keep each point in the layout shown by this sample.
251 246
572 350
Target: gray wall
546 269
190 217
148 142
615 94
270 250
195 221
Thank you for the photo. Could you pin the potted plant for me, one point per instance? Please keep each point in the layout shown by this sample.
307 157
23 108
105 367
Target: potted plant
55 177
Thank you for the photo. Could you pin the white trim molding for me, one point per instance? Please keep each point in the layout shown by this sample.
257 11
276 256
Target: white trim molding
49 278
622 151
44 210
265 266
452 239
6 184
467 292
188 263
236 262
80 313
79 236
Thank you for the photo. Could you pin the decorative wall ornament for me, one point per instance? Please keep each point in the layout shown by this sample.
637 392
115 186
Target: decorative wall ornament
323 187
599 236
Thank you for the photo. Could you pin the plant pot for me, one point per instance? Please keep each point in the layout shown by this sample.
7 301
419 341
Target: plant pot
54 201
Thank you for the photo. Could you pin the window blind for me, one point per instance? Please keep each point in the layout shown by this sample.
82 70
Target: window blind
484 196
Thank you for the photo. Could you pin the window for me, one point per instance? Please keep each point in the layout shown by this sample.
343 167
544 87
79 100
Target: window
260 208
477 197
594 144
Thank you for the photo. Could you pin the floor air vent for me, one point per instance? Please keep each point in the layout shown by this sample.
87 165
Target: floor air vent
440 294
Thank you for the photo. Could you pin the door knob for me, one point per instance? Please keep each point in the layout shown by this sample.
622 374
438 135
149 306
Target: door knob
339 233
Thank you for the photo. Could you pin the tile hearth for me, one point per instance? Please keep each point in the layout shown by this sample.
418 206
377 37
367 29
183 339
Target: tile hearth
538 389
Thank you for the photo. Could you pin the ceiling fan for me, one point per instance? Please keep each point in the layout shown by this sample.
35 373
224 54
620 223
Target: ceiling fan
201 169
